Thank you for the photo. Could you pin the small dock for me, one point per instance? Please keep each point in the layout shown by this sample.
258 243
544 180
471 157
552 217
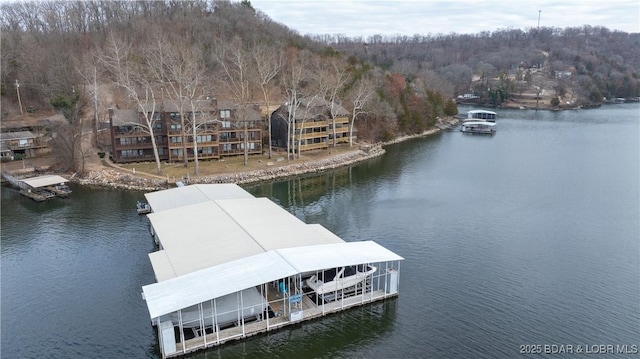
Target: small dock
40 188
37 194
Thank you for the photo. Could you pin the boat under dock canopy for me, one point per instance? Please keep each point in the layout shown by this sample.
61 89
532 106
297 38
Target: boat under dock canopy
247 272
44 187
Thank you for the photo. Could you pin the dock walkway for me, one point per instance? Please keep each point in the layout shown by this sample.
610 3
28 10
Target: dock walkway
310 311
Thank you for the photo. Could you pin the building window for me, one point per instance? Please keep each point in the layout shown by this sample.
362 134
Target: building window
205 150
204 138
225 113
124 141
131 153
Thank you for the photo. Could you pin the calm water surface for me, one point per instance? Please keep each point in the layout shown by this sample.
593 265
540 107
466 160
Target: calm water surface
530 236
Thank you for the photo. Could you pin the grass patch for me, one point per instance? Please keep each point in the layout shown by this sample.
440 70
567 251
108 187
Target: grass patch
233 164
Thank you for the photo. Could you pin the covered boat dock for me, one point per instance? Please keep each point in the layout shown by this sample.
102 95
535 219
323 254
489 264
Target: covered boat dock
230 266
42 188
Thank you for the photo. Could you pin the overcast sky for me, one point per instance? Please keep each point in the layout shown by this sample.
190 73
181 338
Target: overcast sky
392 17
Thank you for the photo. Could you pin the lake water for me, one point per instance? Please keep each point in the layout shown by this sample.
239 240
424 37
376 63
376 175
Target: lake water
529 237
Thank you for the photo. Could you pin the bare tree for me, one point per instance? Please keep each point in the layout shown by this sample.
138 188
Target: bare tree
181 71
332 76
293 79
362 93
92 74
235 65
269 62
169 65
130 73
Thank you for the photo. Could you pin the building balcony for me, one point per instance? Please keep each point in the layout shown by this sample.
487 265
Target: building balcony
340 130
139 145
312 124
144 158
314 146
323 134
17 147
136 133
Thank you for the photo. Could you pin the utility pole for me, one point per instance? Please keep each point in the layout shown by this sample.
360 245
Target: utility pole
18 91
95 101
539 11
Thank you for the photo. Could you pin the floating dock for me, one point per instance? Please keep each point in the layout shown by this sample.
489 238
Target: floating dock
40 188
230 266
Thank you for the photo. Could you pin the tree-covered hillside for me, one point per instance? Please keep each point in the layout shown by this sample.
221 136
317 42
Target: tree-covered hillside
592 61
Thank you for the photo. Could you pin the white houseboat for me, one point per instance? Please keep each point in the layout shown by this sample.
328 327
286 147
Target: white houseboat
481 115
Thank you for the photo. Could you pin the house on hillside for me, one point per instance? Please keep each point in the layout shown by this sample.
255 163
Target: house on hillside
219 131
313 123
562 74
23 144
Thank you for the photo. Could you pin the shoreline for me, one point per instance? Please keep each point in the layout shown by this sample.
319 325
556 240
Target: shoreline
113 176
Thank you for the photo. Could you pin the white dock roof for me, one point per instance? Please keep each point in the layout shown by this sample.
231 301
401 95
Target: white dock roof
271 226
210 233
42 181
196 287
313 258
195 237
184 196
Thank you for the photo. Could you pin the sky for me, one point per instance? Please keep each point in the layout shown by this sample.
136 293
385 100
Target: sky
364 18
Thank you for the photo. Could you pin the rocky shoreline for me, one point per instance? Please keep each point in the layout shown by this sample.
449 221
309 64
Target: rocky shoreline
114 178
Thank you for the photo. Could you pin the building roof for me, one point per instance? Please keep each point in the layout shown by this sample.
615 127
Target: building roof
6 136
324 104
313 108
214 282
124 117
42 181
253 113
172 106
